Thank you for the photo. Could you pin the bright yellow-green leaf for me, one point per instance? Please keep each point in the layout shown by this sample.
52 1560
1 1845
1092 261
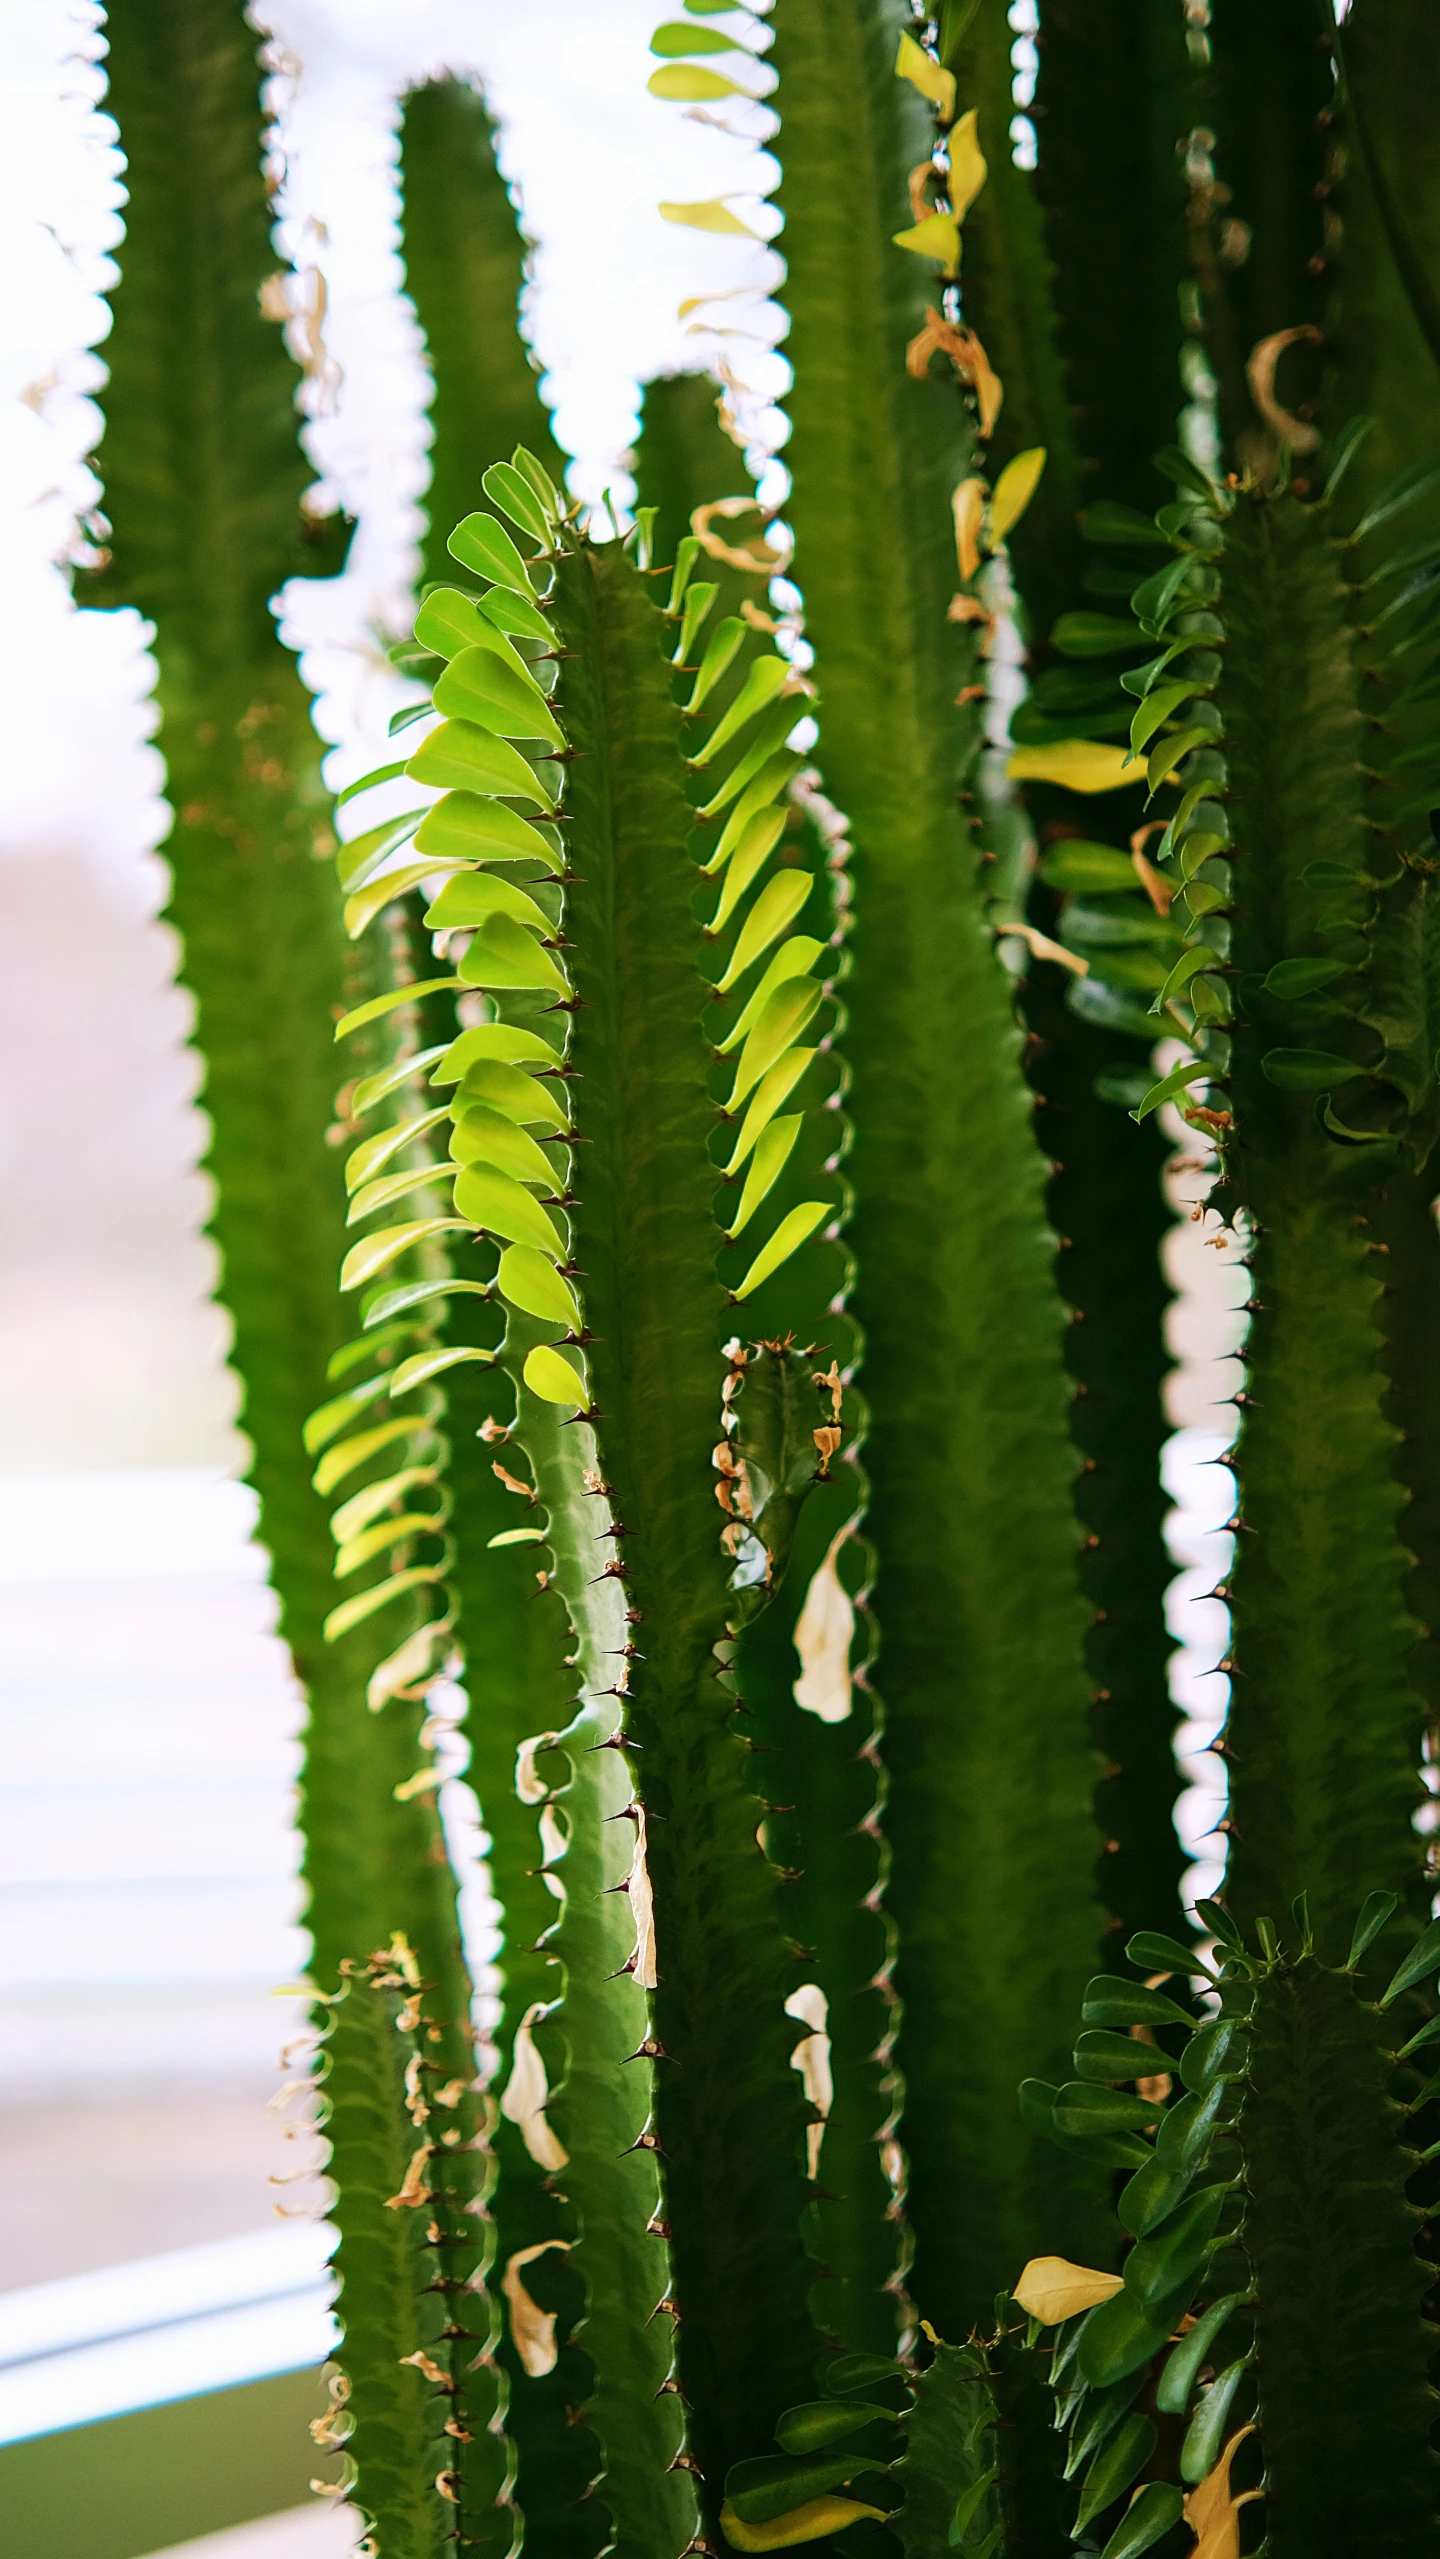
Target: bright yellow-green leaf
474 896
766 678
380 1537
766 788
534 1101
502 1206
711 215
428 1364
504 954
353 1612
1014 490
391 1187
690 81
363 854
408 1667
1079 764
814 2521
1155 710
458 756
791 960
776 907
773 1090
338 1413
366 1161
467 827
483 1136
518 1537
342 1460
788 1237
530 1280
675 39
447 622
362 1507
771 1157
968 171
555 1379
914 64
492 1040
482 686
783 1020
424 1782
938 236
378 1088
394 996
366 1260
747 856
1172 751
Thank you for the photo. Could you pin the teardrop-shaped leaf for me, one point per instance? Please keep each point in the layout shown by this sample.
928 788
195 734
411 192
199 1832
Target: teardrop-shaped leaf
377 1088
460 757
769 1161
504 954
390 1002
1307 1070
530 1280
501 1041
433 1363
502 1206
1156 709
514 493
1112 2001
1206 2433
1075 865
675 40
1014 490
772 1092
1159 2264
366 1260
362 909
447 622
692 84
825 2421
1124 2333
1100 2056
343 1459
788 1237
475 896
764 679
1152 1953
1107 521
353 1612
483 1136
1292 979
535 1101
478 685
777 2483
862 2372
1156 2510
1374 1912
747 858
1078 764
554 1378
390 1187
1183 2367
1423 1958
355 861
791 961
924 73
782 1021
774 910
1153 2193
482 543
722 647
1115 2465
1079 2108
514 614
1095 635
937 236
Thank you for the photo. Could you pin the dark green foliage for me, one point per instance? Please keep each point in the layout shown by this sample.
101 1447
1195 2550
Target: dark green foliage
1271 96
1379 315
464 259
987 1749
1290 2238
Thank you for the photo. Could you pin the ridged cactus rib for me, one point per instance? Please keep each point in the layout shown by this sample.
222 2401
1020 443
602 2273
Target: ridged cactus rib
464 256
1107 201
424 2468
821 1761
987 1740
1266 2343
1324 1728
587 910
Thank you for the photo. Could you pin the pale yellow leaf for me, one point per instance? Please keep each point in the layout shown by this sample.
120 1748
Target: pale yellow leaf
823 1632
814 2521
711 215
968 509
526 2092
1051 2289
532 2328
914 64
968 171
1014 490
1078 764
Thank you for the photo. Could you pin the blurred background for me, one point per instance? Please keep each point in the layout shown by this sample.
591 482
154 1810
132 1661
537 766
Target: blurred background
148 1725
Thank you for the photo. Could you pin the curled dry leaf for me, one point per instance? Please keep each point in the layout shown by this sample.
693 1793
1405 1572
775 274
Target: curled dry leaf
823 1632
1260 375
1211 2511
941 337
968 509
532 2328
526 2093
1051 2289
757 555
642 1909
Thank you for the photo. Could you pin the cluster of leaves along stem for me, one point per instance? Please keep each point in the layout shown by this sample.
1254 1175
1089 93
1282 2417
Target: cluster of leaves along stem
562 862
1264 2342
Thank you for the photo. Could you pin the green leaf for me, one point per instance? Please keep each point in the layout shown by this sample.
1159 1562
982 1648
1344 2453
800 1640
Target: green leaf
675 39
460 757
1115 2465
353 1612
499 1205
1123 2333
515 493
394 997
494 1042
692 82
721 649
377 1088
768 1162
788 1237
1094 635
369 782
554 1378
504 954
483 1136
482 543
1153 2193
1156 2510
342 1460
1182 2368
1171 1086
1076 866
1292 979
774 910
448 622
1100 2056
363 854
1411 485
1422 1959
1082 2109
1151 1953
764 679
1111 2000
1158 2265
480 686
1374 1912
475 896
793 1004
366 1260
819 2422
529 1279
1206 2433
1307 1070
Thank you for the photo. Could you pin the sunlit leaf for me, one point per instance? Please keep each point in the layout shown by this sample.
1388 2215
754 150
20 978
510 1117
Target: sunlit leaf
554 1378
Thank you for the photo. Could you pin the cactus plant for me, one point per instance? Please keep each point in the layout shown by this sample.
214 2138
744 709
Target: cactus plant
663 1009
